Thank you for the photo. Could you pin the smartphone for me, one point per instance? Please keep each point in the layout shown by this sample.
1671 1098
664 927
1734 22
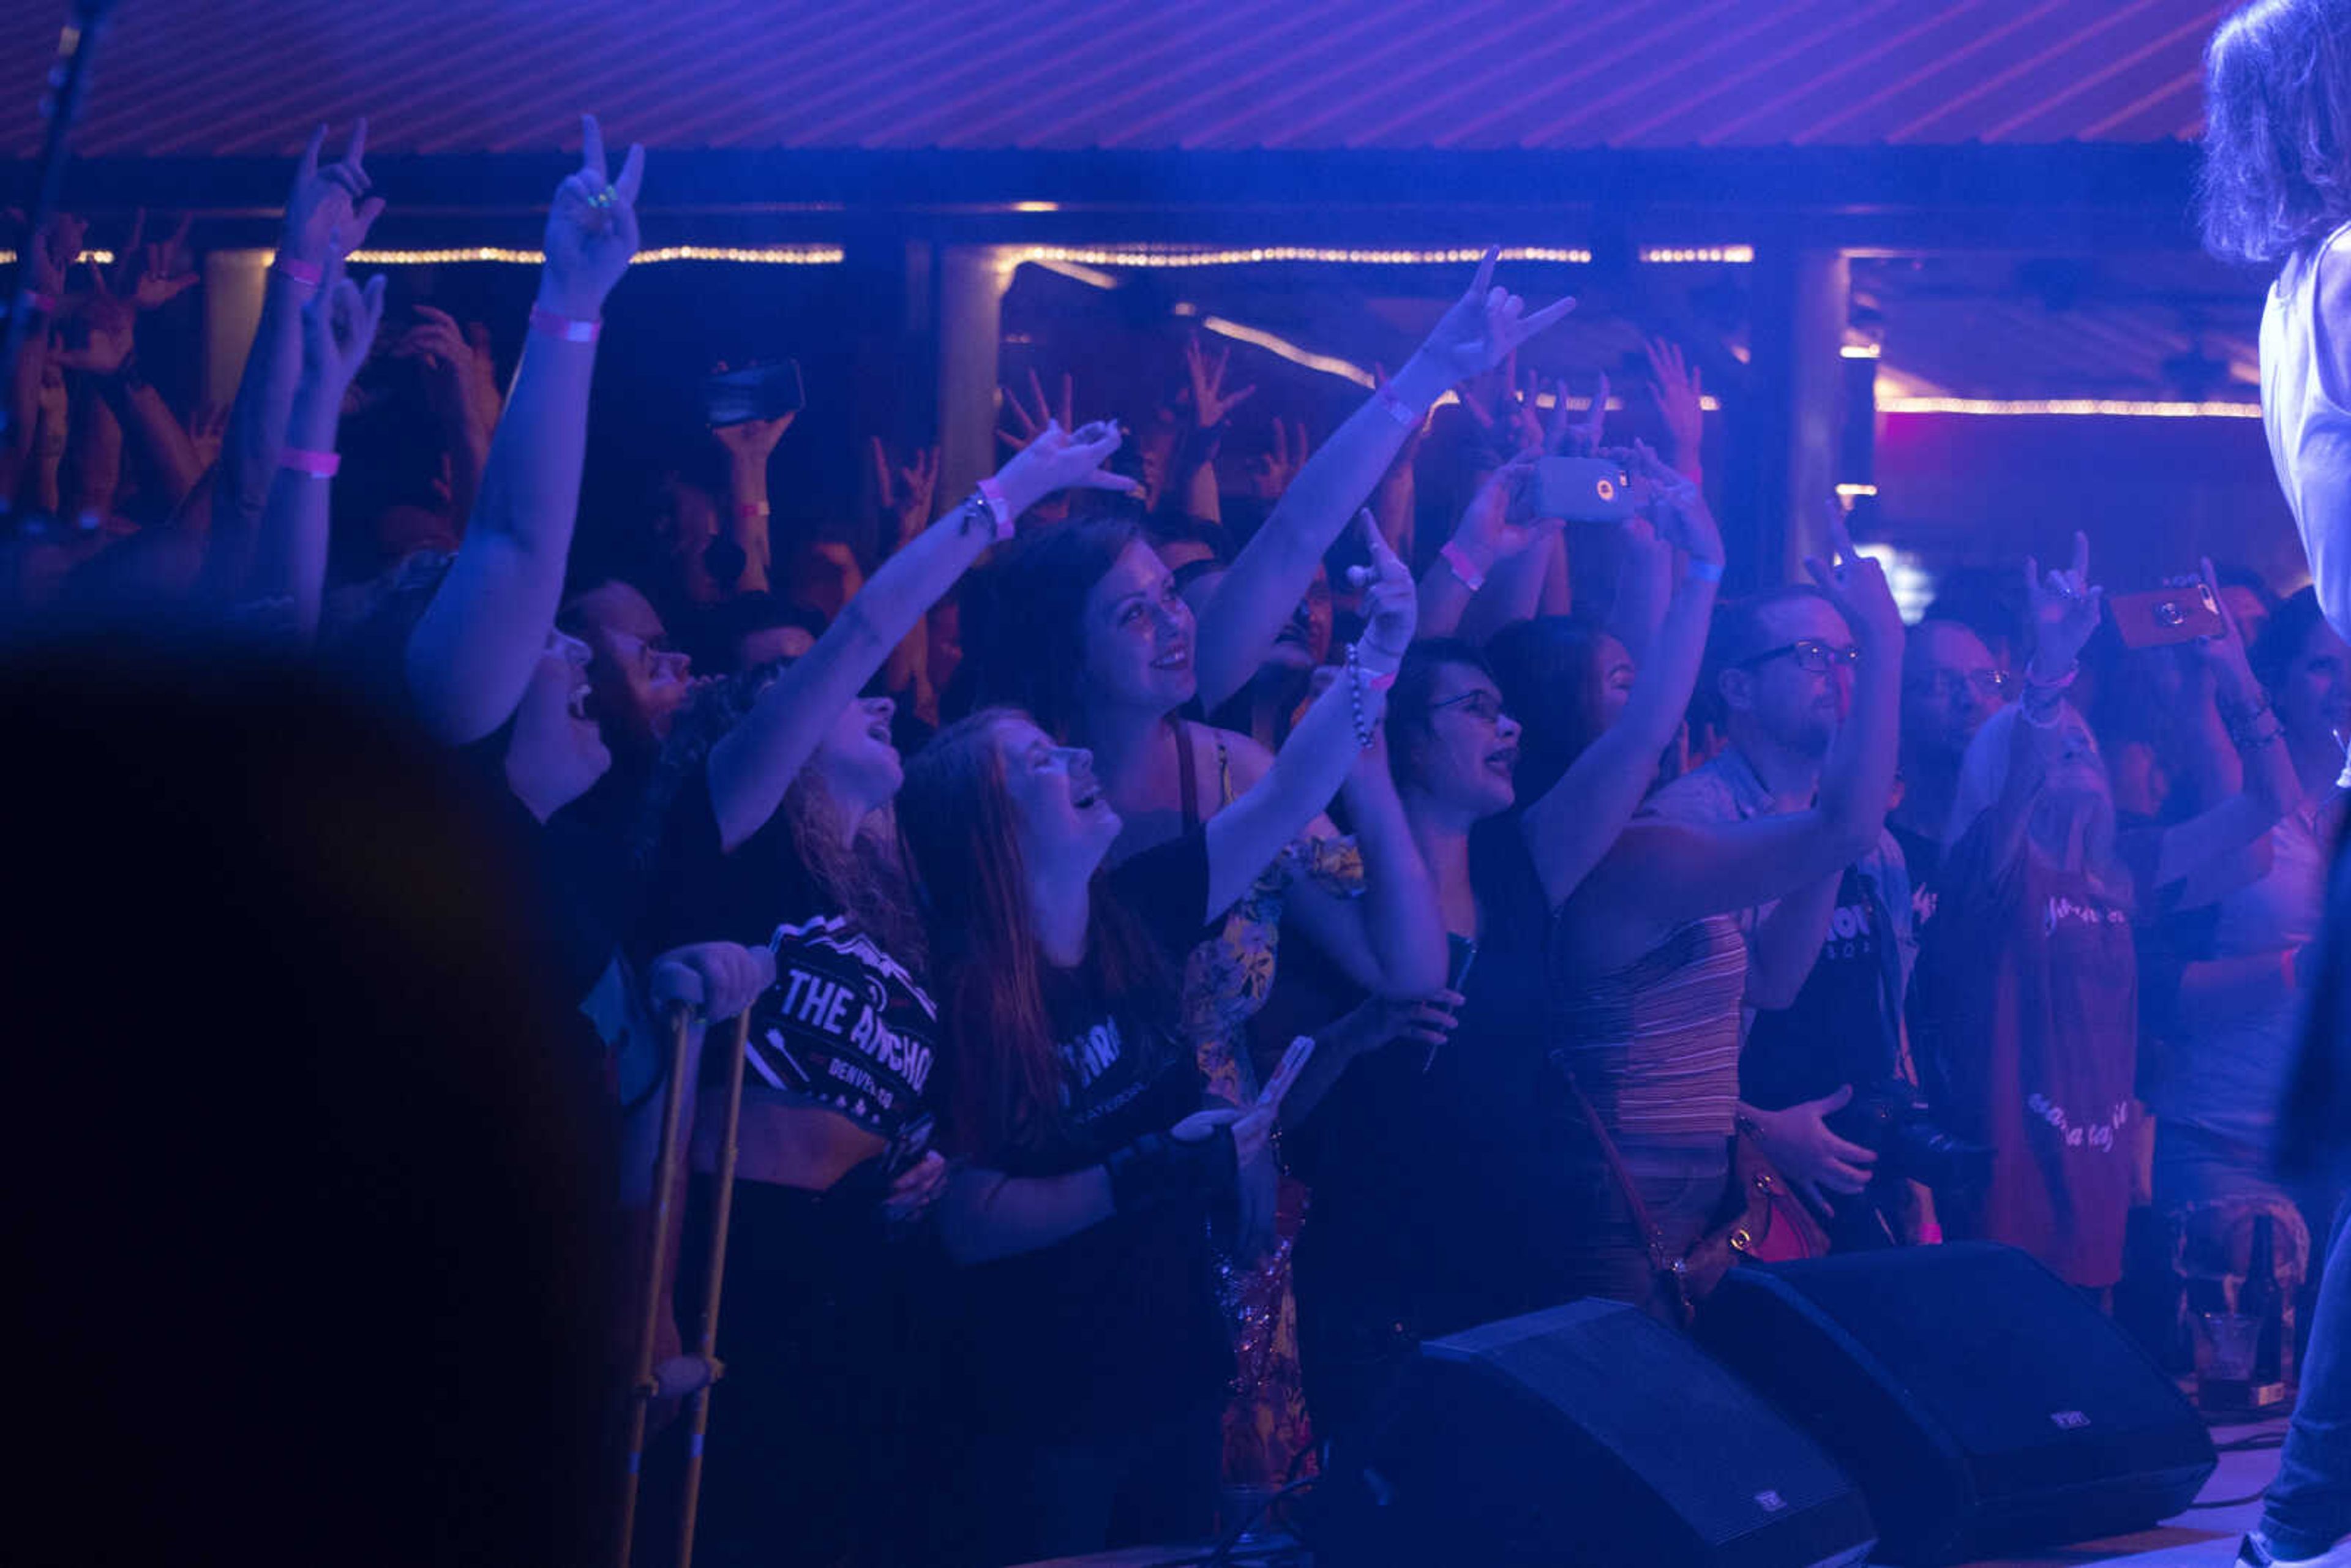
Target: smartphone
1460 952
760 391
2164 617
1581 490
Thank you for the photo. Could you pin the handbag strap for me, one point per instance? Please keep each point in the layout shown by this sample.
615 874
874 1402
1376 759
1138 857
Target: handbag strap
1655 1238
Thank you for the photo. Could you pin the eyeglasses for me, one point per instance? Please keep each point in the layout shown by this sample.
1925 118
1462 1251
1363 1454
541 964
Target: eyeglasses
1480 704
1810 653
1948 684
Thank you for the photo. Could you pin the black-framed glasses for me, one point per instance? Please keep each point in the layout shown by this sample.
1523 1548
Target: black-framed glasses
1811 654
1478 704
1945 684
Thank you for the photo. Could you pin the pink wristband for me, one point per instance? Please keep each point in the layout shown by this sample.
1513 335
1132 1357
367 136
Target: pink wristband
318 464
1403 413
1000 509
1381 683
747 510
571 328
47 304
306 273
1457 561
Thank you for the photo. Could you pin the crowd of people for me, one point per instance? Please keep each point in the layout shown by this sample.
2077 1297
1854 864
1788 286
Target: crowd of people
1206 928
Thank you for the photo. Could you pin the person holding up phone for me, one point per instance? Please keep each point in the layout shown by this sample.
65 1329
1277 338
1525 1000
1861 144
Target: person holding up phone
1433 1130
2037 1040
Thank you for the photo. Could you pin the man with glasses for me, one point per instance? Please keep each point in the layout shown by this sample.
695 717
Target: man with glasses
1950 684
1828 964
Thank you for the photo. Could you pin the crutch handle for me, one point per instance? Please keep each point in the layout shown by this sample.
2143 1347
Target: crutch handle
680 1376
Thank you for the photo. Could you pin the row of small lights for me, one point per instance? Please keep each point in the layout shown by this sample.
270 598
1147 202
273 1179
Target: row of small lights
1076 262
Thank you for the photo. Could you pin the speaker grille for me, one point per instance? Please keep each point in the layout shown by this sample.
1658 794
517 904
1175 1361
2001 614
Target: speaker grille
1695 1434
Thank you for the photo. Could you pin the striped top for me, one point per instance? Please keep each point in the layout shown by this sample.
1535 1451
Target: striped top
1656 1043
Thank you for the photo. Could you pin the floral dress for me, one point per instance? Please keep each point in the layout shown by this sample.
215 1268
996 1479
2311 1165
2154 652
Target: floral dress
1225 980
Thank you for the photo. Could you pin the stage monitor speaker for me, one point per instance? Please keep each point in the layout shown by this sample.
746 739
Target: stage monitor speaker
1588 1434
1982 1404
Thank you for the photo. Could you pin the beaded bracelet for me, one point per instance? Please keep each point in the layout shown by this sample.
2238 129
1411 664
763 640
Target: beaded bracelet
1355 698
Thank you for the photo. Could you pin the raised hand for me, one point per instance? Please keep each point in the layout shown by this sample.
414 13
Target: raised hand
753 439
1856 586
109 330
1391 602
905 492
2223 655
463 376
50 254
1676 506
1205 378
2065 608
1023 424
339 327
1059 459
591 229
1499 521
1485 326
167 270
1270 471
1579 438
328 212
1680 395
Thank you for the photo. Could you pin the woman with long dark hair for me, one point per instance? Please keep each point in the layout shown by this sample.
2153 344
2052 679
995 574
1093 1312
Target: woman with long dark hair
1649 970
1438 1153
1086 1173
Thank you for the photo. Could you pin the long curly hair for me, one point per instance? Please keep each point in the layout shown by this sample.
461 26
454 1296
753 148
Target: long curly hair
2277 129
865 877
1024 619
1004 1076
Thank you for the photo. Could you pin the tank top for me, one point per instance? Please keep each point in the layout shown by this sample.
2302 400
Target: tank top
2229 1080
1656 1043
2309 428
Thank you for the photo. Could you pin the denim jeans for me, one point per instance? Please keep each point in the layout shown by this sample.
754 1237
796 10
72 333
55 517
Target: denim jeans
2309 1506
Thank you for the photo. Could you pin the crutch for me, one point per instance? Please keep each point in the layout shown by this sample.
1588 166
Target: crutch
645 1388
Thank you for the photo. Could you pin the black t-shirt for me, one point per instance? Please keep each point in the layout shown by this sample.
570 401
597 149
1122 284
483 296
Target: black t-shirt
1117 1327
1841 1028
846 1025
586 888
1439 1180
